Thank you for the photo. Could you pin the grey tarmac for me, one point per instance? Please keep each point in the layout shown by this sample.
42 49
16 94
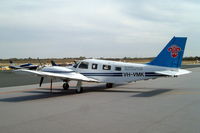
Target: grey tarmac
165 105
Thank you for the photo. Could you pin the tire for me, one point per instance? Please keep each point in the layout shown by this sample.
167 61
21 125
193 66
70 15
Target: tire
79 91
65 86
109 85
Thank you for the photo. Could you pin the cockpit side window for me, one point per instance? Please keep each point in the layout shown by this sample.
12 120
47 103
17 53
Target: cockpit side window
106 67
94 66
84 65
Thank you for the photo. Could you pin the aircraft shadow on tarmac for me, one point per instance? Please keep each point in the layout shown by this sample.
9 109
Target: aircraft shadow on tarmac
139 93
44 93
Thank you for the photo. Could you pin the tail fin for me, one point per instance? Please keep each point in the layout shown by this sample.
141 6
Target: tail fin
53 63
172 54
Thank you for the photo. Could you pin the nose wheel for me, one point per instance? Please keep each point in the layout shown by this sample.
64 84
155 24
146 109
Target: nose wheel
65 86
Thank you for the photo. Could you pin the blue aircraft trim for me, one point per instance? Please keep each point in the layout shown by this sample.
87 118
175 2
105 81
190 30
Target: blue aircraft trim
102 74
153 74
147 74
172 54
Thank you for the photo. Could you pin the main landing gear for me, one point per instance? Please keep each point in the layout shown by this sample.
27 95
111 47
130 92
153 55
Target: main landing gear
66 86
79 89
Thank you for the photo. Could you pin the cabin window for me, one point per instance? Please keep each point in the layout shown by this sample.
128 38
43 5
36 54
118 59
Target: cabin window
118 68
94 66
84 65
106 67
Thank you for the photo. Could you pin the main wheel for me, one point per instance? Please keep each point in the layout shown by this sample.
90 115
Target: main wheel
109 85
65 86
79 90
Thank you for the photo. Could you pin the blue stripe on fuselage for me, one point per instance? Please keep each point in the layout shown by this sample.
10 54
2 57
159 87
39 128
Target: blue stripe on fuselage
147 74
153 74
102 74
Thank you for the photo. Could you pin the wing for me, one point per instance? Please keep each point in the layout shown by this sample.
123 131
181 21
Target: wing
68 76
173 72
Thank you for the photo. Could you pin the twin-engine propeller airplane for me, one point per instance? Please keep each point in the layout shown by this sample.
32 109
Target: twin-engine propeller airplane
166 64
25 66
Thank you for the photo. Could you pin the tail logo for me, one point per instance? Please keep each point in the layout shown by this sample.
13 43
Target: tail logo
174 49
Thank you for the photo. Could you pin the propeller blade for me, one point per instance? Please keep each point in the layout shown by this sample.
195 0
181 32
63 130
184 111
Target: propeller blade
39 61
51 85
41 81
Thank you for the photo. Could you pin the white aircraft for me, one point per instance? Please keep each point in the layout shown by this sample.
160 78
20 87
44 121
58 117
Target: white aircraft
166 64
26 66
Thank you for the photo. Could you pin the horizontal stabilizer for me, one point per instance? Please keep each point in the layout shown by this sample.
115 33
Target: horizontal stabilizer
174 72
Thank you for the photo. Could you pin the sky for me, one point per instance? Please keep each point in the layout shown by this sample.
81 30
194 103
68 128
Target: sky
96 28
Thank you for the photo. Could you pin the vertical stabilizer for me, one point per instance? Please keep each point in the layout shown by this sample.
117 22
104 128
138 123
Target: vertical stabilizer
172 54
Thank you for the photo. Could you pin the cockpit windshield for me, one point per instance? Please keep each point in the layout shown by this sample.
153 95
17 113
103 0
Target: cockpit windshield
83 65
75 64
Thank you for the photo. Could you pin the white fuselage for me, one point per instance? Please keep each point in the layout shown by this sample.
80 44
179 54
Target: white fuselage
117 72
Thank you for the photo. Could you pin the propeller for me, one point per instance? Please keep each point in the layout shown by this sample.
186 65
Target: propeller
39 61
41 81
40 66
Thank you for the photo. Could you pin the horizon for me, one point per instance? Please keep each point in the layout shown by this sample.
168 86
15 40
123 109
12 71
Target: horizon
125 58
